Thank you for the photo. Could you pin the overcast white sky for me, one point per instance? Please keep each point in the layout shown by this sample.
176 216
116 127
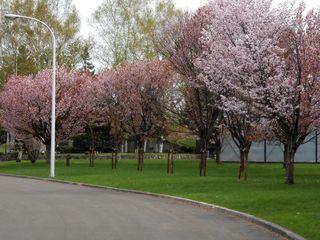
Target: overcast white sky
86 8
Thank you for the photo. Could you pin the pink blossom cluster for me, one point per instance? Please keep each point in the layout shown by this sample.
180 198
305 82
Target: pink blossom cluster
26 105
263 61
131 97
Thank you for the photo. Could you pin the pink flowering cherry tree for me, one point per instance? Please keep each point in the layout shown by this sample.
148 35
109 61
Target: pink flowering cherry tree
265 61
138 90
239 49
26 105
110 110
291 99
94 115
192 105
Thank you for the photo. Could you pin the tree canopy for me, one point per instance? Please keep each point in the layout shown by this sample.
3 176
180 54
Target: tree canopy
25 46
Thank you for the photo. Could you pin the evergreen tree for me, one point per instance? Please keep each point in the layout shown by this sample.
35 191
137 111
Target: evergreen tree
87 65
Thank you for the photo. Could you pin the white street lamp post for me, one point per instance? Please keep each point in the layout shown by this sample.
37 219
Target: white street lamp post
53 102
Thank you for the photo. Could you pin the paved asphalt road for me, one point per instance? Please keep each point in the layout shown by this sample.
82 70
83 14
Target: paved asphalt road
37 210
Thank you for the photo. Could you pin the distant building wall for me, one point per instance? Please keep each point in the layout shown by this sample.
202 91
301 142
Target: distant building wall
274 151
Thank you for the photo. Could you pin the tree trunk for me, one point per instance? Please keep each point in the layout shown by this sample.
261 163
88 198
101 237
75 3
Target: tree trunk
203 163
92 146
48 150
289 163
218 157
243 168
33 155
91 157
170 163
203 156
140 158
246 163
284 158
114 158
68 162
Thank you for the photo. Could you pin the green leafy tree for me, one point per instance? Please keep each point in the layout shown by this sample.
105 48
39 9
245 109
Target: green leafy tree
25 46
125 28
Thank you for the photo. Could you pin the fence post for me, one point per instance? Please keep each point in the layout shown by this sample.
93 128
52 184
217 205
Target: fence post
265 150
316 142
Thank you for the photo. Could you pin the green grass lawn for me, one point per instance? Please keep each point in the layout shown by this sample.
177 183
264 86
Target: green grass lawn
264 195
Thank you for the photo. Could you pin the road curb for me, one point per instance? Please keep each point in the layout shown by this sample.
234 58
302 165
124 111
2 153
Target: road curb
283 232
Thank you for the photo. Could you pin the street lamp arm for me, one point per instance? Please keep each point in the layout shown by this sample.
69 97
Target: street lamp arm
15 16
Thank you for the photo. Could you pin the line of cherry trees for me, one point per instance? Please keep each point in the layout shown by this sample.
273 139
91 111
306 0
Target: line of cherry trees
255 66
242 66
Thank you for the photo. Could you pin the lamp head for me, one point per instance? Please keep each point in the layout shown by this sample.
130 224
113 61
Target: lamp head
11 16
